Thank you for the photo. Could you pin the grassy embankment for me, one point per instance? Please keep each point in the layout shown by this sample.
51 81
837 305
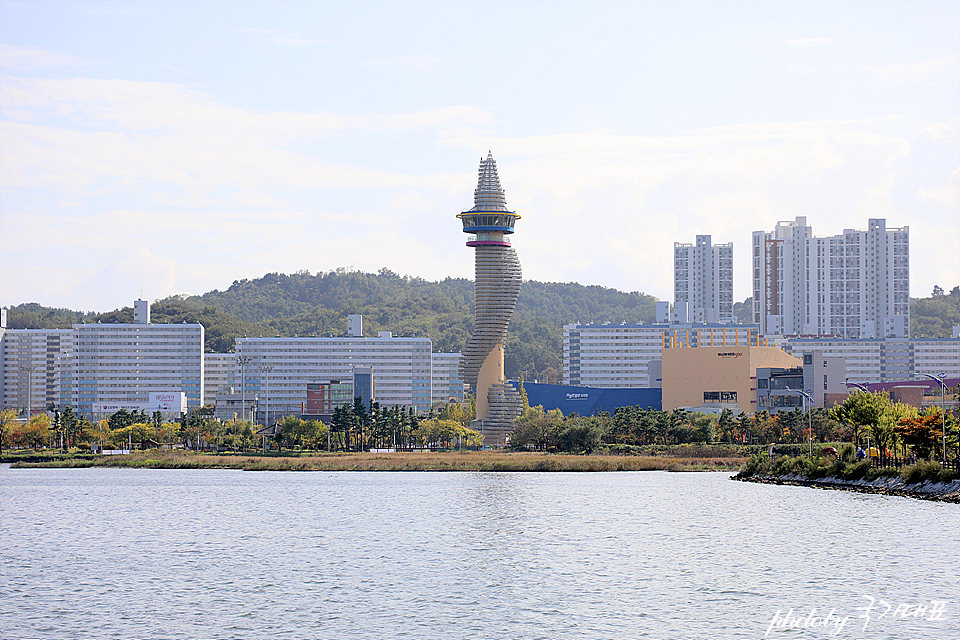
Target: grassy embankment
400 461
845 466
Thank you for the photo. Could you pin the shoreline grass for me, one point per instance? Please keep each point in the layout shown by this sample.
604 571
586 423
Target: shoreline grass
399 461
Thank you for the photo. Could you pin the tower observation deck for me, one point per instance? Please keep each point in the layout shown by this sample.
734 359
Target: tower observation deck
497 287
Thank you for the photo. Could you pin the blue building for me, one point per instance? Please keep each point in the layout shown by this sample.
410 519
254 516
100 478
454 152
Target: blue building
588 401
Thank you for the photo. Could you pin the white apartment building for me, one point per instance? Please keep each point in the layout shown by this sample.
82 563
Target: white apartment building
446 382
614 356
124 363
277 370
854 285
33 363
92 366
871 360
218 374
703 281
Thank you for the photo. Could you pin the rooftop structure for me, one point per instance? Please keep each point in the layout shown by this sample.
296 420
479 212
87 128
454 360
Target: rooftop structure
617 356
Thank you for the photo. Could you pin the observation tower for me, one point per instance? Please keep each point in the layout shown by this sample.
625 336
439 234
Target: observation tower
497 287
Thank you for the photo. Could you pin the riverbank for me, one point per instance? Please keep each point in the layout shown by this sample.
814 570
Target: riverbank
399 461
926 479
891 486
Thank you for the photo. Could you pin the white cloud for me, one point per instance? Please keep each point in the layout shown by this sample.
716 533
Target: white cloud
283 39
416 63
907 72
810 42
170 67
14 57
802 70
294 40
192 193
947 195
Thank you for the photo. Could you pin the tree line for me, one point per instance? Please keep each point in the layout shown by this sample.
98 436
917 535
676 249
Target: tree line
893 428
353 427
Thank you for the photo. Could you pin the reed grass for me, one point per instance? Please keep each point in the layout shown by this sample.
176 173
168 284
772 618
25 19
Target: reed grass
399 461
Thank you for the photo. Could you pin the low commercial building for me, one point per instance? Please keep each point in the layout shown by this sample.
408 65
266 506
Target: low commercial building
822 379
588 401
711 379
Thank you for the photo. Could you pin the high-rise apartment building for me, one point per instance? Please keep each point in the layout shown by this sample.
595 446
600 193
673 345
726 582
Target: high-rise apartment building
447 385
497 287
278 371
97 368
872 360
855 284
703 281
34 367
218 375
122 364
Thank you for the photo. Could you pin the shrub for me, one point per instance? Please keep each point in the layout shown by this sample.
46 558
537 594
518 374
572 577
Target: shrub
622 450
798 464
926 470
758 465
856 471
847 453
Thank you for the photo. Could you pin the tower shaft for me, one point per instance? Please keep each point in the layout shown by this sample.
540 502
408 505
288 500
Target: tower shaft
497 286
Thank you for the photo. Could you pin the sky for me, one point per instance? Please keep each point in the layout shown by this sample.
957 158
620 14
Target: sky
149 149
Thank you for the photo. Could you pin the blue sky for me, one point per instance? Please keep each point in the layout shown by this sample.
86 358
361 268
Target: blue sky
150 149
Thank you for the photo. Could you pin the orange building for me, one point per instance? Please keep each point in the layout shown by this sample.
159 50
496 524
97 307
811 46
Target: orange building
718 377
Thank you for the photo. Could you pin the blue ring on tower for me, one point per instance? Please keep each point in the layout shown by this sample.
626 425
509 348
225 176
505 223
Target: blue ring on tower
489 227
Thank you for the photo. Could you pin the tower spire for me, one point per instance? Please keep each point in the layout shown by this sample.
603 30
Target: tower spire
489 195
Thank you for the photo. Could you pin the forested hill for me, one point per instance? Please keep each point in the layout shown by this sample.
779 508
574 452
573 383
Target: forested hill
318 305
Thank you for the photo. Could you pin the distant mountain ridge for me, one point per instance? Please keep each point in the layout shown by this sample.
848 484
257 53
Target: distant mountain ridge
307 304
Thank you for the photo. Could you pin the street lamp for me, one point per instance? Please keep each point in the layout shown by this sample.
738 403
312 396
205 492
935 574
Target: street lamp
806 397
943 413
243 361
266 368
29 368
859 386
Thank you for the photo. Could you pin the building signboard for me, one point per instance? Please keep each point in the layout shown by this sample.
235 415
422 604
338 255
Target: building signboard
165 402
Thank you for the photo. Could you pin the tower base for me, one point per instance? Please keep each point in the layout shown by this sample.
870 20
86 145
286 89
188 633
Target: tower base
505 404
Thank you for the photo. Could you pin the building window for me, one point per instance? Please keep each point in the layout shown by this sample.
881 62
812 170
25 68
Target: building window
721 397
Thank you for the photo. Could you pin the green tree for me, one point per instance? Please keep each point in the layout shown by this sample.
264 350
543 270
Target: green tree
861 411
580 434
446 433
362 421
884 433
457 412
36 433
704 428
536 429
8 421
727 425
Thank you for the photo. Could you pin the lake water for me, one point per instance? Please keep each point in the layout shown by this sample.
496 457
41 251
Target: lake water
120 553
